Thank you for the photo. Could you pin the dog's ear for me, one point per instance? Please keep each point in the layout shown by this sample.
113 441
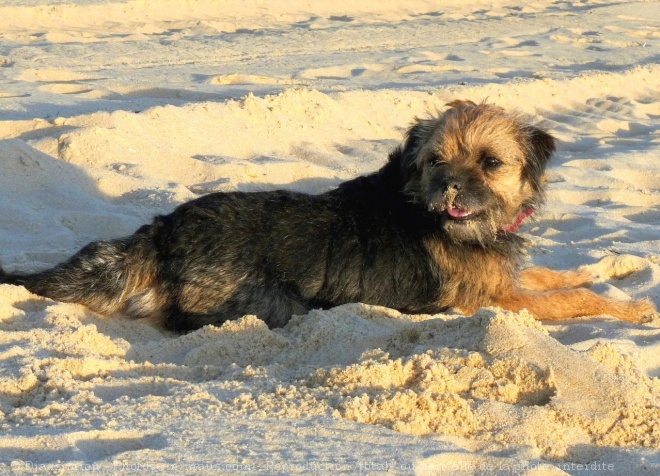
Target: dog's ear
406 154
540 147
461 104
405 159
412 144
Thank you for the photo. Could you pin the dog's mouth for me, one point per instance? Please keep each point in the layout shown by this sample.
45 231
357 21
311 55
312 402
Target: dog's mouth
462 214
458 214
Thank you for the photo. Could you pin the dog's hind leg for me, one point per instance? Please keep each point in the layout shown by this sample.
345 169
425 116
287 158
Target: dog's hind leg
102 275
273 305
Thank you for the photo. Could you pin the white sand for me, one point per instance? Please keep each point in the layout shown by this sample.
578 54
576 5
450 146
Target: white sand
113 111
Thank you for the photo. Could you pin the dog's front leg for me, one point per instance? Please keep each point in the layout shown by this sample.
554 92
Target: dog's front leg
544 279
569 303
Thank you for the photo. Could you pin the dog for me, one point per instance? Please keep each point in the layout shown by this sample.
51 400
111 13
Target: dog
434 228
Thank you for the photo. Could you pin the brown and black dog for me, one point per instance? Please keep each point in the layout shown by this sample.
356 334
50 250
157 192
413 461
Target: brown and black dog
434 228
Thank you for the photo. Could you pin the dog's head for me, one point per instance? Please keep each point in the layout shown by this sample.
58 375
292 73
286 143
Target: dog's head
476 166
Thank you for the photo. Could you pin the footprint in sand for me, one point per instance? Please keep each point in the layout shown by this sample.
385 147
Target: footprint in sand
611 121
431 62
342 18
613 106
645 216
129 92
593 164
343 72
518 53
53 76
61 446
320 23
623 117
575 36
104 444
642 35
567 222
432 68
237 79
65 88
58 82
513 47
133 390
4 95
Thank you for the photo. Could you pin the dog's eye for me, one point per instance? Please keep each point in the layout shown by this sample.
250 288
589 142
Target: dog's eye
437 160
490 163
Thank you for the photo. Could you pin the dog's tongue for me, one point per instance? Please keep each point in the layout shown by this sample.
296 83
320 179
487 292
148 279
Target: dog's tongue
458 212
513 227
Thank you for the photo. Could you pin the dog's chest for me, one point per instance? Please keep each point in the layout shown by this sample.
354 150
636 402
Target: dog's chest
469 276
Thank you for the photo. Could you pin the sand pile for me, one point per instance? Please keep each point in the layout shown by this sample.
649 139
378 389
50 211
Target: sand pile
495 377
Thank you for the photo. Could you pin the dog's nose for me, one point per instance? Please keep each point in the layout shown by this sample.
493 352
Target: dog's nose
452 184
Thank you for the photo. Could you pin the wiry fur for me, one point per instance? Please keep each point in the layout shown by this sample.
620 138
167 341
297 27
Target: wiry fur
388 238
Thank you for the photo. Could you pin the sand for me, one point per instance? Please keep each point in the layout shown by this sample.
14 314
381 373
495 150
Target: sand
114 111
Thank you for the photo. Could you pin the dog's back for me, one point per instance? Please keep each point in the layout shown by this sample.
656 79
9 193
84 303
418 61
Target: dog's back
272 254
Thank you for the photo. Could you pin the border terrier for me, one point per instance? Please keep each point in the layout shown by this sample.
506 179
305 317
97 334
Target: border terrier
434 228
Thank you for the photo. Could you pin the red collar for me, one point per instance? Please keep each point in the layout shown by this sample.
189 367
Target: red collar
514 226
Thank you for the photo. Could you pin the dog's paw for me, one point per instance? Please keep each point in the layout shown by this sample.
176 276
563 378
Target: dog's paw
616 267
651 317
580 278
641 311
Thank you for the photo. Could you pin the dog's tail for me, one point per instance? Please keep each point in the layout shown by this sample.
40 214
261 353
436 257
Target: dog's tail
103 275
